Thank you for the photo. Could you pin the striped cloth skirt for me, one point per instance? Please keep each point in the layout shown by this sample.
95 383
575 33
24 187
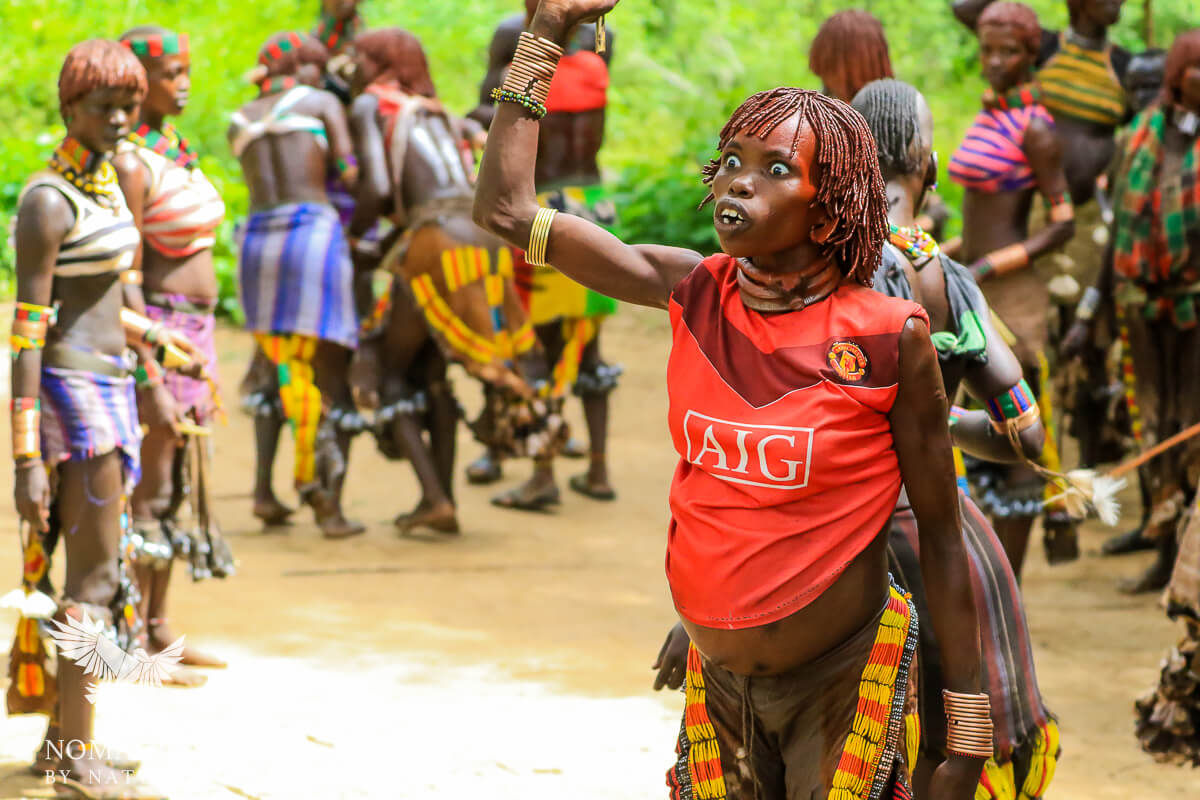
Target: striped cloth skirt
295 275
85 415
190 394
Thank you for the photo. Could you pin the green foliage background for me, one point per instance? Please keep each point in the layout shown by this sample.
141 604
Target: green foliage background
680 68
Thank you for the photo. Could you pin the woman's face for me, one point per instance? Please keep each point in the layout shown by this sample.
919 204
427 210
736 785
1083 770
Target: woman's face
1189 89
764 194
1006 61
100 118
169 81
1103 13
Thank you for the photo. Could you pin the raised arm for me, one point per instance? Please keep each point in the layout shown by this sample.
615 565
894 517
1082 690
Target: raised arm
922 441
43 220
506 203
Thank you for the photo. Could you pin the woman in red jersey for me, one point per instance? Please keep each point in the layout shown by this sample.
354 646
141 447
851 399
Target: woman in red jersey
799 402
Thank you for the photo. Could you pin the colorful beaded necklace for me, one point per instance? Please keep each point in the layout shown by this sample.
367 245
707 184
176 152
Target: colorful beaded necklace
88 171
276 84
917 245
331 30
167 143
1023 96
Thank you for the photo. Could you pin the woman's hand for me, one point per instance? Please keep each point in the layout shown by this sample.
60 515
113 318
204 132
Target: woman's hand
672 659
156 407
561 16
31 492
955 779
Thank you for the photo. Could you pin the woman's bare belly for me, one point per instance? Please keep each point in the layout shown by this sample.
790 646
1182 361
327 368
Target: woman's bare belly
836 615
191 276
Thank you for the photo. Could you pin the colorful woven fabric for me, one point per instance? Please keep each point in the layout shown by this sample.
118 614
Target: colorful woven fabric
293 356
191 395
991 158
879 721
183 209
85 415
1081 83
1155 215
295 274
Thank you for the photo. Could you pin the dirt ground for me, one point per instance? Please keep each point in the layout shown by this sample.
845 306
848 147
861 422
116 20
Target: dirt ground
515 660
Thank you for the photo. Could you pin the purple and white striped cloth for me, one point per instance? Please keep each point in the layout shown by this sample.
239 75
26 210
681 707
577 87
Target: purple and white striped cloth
85 415
295 274
190 394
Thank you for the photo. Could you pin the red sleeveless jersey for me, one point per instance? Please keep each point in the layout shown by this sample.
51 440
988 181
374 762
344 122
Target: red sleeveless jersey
580 83
787 469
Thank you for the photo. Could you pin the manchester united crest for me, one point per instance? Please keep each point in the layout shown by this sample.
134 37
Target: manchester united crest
849 361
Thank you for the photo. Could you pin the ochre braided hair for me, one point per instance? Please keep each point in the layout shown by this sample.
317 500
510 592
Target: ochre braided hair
845 167
401 57
892 109
1184 53
851 49
99 64
1021 18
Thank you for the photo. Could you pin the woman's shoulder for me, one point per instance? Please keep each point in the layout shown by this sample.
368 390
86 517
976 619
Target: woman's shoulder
875 311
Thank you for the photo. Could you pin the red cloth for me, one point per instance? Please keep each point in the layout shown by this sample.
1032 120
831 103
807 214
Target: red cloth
787 468
580 84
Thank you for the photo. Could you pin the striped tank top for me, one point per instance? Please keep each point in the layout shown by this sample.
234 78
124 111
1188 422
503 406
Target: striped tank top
183 209
1081 83
101 240
991 157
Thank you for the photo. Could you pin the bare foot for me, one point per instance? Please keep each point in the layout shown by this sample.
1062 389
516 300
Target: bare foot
160 637
330 519
271 511
441 518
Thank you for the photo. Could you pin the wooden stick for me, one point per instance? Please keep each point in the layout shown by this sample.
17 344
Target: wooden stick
1157 450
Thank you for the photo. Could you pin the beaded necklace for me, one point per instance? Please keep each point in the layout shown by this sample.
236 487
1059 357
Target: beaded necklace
331 30
1023 96
917 245
275 85
167 143
88 171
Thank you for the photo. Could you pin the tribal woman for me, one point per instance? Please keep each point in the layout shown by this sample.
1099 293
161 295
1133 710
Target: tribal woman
1010 155
800 400
1151 276
1156 285
74 414
849 51
970 353
454 297
177 212
292 242
567 317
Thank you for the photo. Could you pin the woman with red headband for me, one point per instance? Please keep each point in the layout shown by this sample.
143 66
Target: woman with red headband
177 211
74 413
296 277
1009 156
799 402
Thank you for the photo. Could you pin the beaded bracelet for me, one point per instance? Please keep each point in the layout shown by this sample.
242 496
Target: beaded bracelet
148 374
524 101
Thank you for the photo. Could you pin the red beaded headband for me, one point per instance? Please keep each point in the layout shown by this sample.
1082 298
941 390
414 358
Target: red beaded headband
275 50
167 44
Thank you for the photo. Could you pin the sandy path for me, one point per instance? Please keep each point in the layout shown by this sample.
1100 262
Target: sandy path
515 659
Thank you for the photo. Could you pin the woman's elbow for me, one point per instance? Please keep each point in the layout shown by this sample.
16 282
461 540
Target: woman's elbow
1032 440
496 217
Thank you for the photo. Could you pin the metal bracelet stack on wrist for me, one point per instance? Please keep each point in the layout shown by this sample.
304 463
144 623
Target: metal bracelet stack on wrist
527 83
968 724
26 430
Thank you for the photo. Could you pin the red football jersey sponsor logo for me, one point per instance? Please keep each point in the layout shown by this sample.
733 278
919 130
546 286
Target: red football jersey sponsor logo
772 456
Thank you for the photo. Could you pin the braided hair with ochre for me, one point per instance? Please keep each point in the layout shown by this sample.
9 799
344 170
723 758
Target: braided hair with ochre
892 110
845 166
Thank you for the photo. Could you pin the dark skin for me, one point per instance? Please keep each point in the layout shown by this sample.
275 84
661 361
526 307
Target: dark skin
88 492
781 233
1087 147
291 168
567 154
169 83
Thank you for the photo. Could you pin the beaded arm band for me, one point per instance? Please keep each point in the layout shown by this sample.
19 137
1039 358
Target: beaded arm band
30 323
1015 409
1061 209
968 724
26 430
148 374
539 237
